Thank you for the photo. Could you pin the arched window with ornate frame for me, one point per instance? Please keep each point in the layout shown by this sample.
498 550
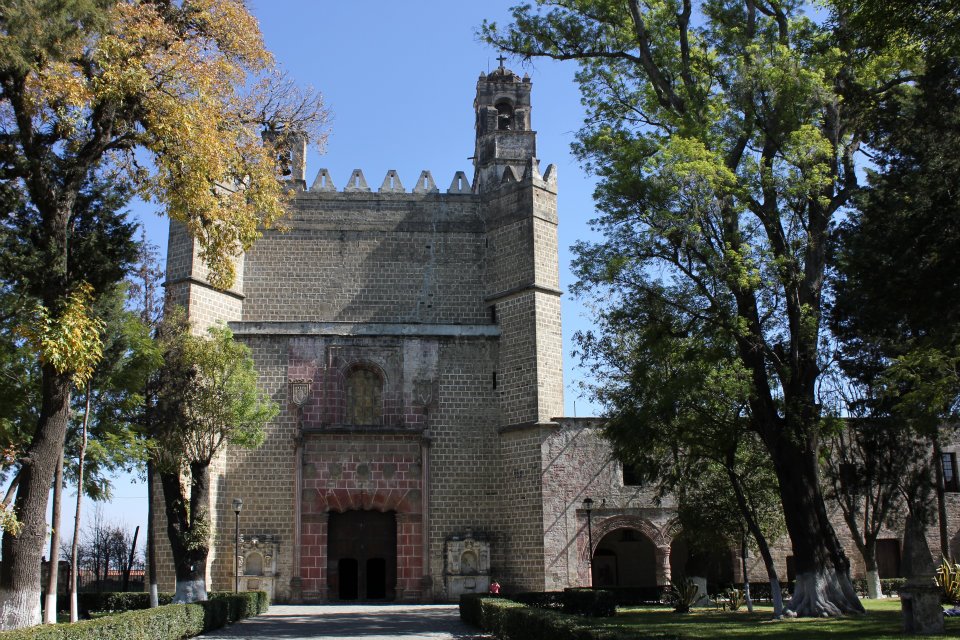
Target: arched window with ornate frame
364 388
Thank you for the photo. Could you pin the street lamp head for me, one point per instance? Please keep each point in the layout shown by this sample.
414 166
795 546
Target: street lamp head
587 504
237 505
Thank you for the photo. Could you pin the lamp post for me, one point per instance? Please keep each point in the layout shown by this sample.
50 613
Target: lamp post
237 506
588 507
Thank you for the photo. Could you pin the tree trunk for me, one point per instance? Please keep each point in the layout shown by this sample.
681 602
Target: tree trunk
20 571
187 530
50 604
940 485
746 573
75 546
151 538
133 554
823 586
775 595
874 588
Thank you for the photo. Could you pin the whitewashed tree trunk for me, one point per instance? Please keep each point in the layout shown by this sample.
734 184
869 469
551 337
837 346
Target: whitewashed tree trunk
75 547
194 590
50 602
820 593
874 588
19 609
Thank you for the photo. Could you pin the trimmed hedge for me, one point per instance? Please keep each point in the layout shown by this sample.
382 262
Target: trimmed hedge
167 622
114 601
510 620
889 585
591 603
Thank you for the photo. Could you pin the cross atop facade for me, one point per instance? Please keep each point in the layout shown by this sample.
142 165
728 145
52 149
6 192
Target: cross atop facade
501 58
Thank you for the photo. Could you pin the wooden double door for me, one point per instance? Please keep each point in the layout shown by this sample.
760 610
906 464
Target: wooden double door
362 555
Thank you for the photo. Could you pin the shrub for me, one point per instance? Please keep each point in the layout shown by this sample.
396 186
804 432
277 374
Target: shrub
243 605
684 593
114 601
512 621
948 579
541 599
167 622
593 603
633 596
470 608
736 598
892 585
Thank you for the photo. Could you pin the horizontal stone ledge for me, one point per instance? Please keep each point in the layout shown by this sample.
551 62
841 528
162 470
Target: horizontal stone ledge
402 329
374 431
526 426
515 291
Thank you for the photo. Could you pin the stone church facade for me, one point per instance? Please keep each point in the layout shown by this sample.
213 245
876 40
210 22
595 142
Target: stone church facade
412 339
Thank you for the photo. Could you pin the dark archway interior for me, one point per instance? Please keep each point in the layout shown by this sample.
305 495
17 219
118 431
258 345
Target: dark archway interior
625 558
715 563
362 555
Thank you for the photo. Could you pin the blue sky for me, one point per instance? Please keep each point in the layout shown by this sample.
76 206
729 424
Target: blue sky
399 78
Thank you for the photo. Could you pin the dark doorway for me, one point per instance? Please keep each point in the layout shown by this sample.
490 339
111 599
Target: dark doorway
888 558
362 555
376 579
348 570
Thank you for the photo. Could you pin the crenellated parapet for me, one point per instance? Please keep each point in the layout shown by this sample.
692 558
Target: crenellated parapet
426 185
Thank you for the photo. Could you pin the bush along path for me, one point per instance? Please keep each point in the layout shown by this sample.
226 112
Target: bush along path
168 622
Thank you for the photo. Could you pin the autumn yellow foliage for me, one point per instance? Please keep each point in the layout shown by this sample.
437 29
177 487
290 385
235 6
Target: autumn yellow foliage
191 84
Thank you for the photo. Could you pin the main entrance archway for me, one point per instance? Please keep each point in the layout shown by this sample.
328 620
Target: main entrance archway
625 558
362 555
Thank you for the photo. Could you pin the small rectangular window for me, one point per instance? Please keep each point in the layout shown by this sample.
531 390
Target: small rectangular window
494 379
950 480
493 313
631 476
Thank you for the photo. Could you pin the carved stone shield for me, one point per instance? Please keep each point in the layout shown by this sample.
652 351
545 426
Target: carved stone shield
300 391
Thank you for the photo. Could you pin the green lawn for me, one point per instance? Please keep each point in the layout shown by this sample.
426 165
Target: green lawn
882 620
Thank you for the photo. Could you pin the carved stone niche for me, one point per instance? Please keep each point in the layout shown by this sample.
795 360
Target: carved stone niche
467 564
257 563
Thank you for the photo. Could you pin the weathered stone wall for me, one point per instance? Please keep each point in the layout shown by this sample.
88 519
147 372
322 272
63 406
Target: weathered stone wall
370 257
577 463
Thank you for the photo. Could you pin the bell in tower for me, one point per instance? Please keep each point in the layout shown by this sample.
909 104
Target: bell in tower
504 137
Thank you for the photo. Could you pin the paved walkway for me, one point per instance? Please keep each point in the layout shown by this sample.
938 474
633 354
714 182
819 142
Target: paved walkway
366 622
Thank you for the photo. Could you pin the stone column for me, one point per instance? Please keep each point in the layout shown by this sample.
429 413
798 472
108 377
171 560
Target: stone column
662 558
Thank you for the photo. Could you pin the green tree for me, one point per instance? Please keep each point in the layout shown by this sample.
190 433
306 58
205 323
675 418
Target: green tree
207 397
90 89
678 406
731 503
725 137
903 235
105 435
868 466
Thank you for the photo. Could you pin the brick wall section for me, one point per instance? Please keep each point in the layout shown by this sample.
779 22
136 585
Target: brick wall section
576 463
522 279
519 556
370 258
262 477
463 457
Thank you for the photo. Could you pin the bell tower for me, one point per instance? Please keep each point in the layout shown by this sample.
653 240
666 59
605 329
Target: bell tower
504 136
522 270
